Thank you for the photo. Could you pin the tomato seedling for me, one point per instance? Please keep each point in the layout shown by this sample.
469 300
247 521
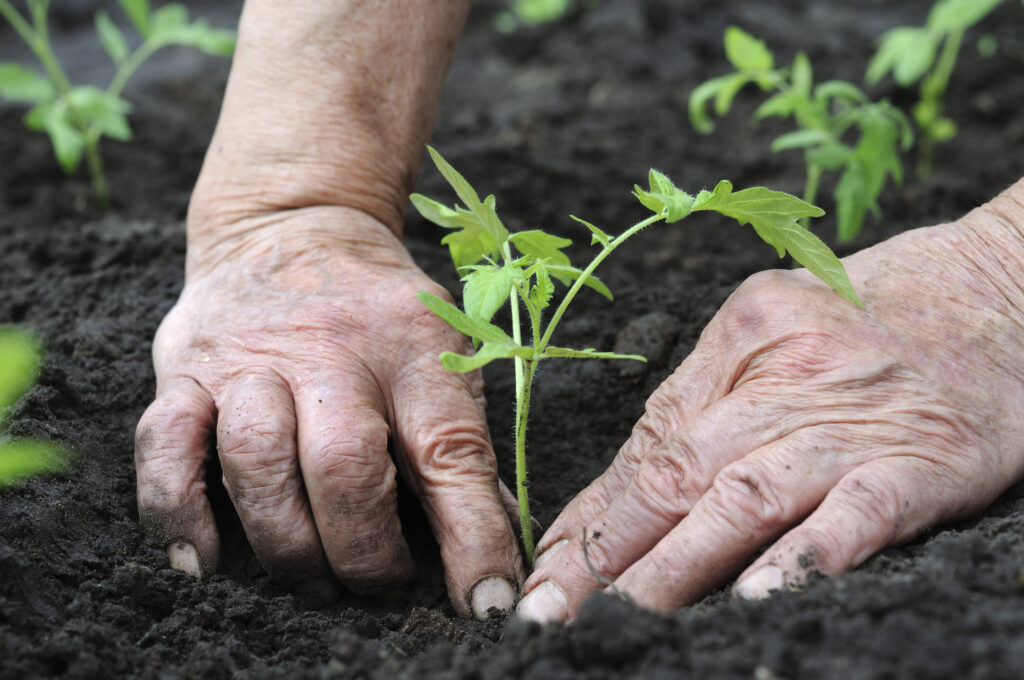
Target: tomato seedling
518 269
928 54
824 116
76 117
21 457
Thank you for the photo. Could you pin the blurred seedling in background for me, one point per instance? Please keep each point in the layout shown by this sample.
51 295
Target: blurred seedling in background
825 115
518 269
535 12
927 55
21 457
76 117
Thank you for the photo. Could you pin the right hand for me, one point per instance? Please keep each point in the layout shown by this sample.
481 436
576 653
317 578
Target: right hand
302 349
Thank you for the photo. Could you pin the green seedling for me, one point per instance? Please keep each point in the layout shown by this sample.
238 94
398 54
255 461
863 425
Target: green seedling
534 13
76 117
825 115
927 55
21 457
519 269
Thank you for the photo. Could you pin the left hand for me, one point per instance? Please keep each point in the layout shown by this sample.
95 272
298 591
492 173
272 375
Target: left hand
802 420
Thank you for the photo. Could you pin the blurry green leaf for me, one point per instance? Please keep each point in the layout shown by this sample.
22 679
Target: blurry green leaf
801 139
802 75
728 90
23 458
774 216
779 105
947 16
68 143
111 37
168 19
19 84
699 99
102 110
943 130
907 52
830 156
19 361
746 52
533 12
567 353
138 13
840 89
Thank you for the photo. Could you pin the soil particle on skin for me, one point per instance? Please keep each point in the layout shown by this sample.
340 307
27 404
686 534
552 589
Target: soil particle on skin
553 120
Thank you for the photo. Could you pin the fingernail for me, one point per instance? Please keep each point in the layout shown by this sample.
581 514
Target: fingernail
183 557
491 592
545 603
760 584
318 589
541 559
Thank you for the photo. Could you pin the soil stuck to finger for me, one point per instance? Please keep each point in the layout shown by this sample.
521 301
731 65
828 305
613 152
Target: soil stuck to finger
558 119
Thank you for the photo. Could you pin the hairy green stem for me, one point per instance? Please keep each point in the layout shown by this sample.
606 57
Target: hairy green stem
578 283
522 492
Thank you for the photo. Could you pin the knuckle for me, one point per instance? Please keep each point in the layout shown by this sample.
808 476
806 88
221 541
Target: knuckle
669 480
742 495
456 448
254 441
171 427
873 499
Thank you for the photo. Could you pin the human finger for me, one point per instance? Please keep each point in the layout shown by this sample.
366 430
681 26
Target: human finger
256 445
172 443
669 483
441 432
887 501
351 482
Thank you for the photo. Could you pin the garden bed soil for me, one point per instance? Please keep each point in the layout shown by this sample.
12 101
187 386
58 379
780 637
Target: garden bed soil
558 119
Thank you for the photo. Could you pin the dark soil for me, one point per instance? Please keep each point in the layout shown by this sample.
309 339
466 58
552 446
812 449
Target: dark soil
559 119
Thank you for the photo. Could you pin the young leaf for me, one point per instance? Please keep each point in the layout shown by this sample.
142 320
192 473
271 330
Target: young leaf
947 16
728 90
699 99
138 13
801 139
746 52
596 234
779 105
487 288
907 52
111 37
22 458
460 363
540 245
68 143
482 209
664 198
165 22
541 292
841 90
566 353
567 274
19 361
470 243
802 75
203 37
19 84
462 322
774 216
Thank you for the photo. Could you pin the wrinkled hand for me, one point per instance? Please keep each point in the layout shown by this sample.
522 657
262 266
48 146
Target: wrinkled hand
806 424
302 349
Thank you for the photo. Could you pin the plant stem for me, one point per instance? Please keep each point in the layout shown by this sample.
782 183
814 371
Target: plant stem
130 65
578 283
522 493
933 89
811 188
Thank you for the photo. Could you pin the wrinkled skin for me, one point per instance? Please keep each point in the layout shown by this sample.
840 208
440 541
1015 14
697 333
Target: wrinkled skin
300 350
821 430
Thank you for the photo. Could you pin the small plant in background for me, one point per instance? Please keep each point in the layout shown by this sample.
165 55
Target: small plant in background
21 457
824 116
518 269
76 117
533 13
928 54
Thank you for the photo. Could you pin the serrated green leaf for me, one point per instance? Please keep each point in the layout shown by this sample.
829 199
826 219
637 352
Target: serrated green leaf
746 52
485 210
462 322
801 139
488 352
102 110
540 245
111 38
589 353
596 234
138 12
664 198
486 289
22 458
19 361
68 142
543 289
567 274
470 243
774 215
19 84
